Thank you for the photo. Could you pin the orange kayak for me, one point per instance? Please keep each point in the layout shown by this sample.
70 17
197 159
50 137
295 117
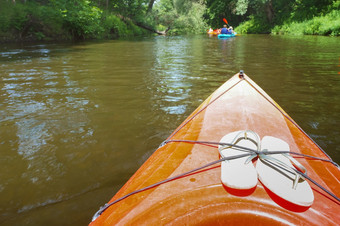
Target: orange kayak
180 184
214 32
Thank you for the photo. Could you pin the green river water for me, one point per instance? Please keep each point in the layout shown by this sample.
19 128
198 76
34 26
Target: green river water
77 120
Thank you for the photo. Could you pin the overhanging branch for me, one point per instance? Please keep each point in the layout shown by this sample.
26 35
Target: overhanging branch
146 27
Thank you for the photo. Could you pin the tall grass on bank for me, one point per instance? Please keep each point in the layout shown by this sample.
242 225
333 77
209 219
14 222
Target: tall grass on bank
328 24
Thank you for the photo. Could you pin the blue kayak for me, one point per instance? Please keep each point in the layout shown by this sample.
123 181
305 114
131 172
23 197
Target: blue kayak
223 36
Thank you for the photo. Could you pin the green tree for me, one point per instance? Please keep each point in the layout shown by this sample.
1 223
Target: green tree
80 17
234 11
130 8
183 16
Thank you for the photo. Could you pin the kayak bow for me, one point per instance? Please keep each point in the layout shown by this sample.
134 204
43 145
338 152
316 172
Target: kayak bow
181 182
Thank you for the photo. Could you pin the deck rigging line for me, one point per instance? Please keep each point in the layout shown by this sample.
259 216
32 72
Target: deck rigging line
250 152
249 149
107 205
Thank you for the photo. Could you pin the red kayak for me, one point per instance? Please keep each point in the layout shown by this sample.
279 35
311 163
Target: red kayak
239 158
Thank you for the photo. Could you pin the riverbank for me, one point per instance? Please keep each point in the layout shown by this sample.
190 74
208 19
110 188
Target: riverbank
326 25
62 20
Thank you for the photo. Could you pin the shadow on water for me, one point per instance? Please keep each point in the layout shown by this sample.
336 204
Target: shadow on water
77 120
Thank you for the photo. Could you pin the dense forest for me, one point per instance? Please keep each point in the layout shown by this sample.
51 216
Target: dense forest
106 19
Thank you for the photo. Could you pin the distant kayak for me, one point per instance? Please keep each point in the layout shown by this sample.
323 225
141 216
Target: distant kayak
223 36
214 32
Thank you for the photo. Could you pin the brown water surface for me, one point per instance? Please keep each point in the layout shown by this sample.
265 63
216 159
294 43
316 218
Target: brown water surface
77 120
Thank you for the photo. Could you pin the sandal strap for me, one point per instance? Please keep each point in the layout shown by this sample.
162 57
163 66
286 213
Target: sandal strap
279 164
241 136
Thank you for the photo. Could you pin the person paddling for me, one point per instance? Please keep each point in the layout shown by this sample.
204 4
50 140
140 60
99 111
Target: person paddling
224 30
231 31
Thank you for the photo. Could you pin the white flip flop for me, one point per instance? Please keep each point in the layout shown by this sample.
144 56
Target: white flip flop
239 173
276 172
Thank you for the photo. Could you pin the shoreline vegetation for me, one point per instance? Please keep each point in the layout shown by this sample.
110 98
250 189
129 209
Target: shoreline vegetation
59 20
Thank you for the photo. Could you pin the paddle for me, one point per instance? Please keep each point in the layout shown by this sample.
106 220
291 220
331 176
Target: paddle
225 21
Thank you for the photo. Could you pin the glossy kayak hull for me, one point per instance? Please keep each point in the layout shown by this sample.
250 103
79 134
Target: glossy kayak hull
199 197
223 36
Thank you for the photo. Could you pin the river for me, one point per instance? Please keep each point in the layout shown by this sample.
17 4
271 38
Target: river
78 119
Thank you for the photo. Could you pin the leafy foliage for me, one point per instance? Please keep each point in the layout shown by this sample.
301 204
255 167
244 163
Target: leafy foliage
280 16
328 24
79 17
218 9
114 27
189 20
130 8
84 19
183 16
28 21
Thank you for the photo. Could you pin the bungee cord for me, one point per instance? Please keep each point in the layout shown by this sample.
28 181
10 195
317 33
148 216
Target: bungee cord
107 205
249 153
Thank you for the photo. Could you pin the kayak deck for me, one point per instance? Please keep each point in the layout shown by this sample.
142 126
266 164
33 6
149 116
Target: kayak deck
199 197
